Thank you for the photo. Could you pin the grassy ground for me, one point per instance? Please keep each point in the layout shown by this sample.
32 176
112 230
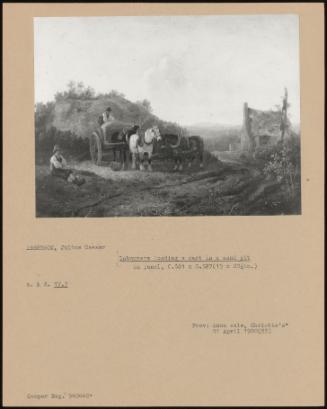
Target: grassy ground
221 188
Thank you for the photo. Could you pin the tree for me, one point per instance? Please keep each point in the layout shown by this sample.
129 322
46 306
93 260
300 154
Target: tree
80 88
76 90
146 104
284 122
115 93
71 86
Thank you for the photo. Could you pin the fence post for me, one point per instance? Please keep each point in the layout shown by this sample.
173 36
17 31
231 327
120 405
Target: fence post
284 115
247 137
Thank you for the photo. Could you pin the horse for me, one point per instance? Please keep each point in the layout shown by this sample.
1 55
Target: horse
186 148
121 149
142 147
123 137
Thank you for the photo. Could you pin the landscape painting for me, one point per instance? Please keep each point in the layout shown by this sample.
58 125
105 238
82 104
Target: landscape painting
167 116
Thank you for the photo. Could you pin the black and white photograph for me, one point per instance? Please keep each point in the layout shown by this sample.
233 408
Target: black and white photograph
167 116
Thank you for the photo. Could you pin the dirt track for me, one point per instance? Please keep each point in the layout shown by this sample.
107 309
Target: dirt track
221 188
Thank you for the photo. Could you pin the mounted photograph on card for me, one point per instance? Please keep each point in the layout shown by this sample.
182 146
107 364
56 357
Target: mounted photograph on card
167 115
190 139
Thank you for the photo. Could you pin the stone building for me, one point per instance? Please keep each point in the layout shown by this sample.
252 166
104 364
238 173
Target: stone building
262 128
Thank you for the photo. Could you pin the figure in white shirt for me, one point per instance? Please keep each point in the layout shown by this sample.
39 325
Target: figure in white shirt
58 167
107 116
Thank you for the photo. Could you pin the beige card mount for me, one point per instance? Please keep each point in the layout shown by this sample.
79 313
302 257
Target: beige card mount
163 204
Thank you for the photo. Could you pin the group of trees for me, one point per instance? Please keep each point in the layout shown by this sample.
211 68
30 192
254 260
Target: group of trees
77 90
69 142
43 115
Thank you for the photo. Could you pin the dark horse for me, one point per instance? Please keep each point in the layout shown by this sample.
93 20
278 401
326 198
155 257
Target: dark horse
182 148
123 150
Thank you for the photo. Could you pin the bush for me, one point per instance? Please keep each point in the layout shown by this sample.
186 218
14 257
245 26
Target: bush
115 93
284 164
245 157
266 152
71 144
145 104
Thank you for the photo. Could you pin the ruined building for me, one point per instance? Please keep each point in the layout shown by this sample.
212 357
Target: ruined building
264 127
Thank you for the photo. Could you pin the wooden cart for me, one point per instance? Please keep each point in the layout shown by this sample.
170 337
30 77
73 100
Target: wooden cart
109 137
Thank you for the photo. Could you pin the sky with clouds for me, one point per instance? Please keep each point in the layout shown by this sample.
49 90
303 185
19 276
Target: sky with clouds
193 69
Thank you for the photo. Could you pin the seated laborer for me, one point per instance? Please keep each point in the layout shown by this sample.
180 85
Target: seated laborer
58 167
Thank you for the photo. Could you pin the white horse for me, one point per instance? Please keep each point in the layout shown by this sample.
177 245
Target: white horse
142 147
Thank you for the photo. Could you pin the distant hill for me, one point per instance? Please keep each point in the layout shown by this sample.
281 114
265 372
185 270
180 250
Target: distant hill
217 137
210 129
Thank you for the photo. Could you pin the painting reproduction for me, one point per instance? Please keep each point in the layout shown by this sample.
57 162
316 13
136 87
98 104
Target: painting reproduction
167 116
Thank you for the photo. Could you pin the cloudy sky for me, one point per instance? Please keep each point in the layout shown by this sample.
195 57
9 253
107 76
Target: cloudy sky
192 68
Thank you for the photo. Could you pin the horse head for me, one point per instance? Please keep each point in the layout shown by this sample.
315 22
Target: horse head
152 134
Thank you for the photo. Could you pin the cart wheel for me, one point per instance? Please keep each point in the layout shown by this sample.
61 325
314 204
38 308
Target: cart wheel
95 148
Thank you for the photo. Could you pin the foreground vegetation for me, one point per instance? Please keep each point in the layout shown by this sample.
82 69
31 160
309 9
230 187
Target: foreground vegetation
223 188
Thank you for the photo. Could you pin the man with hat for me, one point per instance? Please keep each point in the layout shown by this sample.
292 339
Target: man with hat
107 116
58 164
58 167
